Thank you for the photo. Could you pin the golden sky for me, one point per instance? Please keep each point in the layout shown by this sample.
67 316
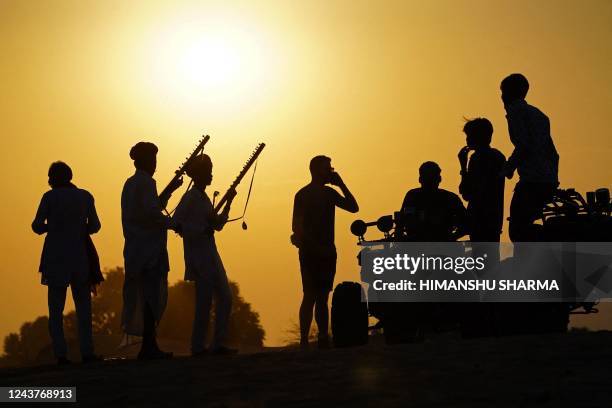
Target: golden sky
378 86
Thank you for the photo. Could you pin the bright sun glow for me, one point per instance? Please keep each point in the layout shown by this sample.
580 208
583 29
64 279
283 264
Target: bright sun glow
203 64
210 62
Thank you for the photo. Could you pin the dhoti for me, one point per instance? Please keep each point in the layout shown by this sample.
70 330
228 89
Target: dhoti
146 287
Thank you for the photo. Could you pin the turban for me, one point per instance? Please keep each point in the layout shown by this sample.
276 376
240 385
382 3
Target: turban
142 150
198 165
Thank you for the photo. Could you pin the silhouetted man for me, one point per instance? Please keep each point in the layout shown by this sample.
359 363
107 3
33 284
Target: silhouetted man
67 215
428 214
482 186
197 221
313 233
431 214
534 157
145 290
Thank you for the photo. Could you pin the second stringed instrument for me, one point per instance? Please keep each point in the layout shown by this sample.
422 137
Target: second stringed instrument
241 175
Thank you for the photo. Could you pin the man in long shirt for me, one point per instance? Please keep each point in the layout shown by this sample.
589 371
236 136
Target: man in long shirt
197 222
534 157
145 289
67 215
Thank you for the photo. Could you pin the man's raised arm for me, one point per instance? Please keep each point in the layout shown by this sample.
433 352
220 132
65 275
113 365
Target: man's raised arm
346 201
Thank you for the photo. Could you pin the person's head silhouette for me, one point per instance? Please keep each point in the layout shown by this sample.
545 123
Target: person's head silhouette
321 169
478 133
60 174
514 87
430 175
200 170
144 155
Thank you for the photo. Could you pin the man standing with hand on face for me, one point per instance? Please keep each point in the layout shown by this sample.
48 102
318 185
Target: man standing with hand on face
313 234
482 185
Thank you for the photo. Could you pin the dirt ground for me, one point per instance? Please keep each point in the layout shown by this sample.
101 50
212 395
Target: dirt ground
571 370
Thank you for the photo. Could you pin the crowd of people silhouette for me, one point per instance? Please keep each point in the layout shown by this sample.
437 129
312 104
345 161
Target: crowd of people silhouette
67 216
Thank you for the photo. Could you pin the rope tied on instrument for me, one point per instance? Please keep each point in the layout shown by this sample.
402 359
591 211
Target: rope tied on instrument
246 203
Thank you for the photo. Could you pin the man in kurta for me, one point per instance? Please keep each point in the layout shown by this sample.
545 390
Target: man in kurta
67 215
145 289
197 222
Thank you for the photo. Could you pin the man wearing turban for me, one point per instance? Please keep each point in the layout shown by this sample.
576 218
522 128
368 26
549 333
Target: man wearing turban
197 221
145 290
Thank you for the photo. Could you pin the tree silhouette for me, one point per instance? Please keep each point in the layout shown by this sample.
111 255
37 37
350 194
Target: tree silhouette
32 345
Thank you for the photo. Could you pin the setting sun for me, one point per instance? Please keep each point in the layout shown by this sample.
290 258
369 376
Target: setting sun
194 62
209 63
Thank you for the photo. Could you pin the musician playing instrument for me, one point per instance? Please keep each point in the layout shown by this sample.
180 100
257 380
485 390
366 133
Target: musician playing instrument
197 221
145 290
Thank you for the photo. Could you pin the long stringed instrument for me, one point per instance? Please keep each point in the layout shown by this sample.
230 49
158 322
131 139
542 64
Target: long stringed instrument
183 167
241 175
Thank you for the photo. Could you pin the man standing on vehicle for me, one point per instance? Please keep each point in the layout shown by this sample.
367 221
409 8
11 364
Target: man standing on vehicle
534 157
